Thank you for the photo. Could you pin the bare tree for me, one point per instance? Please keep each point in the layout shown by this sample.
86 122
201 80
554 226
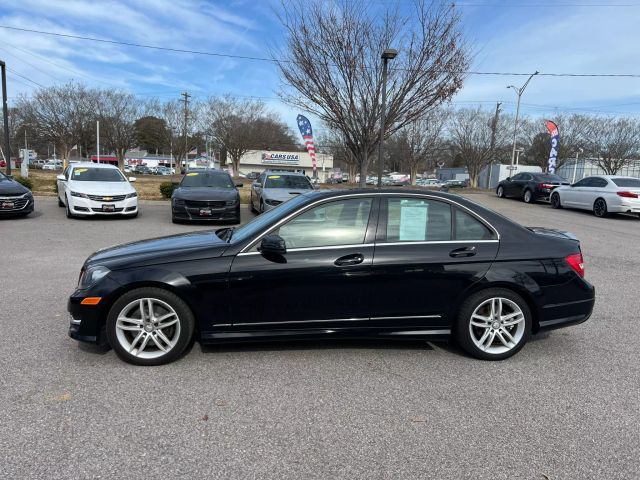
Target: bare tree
240 125
331 62
470 133
416 142
172 112
58 114
118 112
615 142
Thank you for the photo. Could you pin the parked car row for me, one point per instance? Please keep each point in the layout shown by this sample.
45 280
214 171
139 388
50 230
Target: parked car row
602 194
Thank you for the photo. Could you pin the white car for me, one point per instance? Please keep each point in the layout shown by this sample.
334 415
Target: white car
602 194
52 166
86 189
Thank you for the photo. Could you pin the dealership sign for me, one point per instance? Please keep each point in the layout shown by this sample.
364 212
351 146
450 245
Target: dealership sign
281 158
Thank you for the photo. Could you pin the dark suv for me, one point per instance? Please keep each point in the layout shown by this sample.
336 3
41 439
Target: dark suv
530 186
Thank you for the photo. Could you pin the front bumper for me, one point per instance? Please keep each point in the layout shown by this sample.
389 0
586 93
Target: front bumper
88 207
229 213
21 206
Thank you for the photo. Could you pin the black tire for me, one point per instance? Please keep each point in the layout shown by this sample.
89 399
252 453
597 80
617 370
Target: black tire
261 206
60 203
175 220
253 209
555 200
68 211
186 321
463 328
600 208
500 191
527 197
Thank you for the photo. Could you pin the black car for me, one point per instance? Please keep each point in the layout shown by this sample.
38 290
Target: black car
359 264
530 187
206 195
15 199
141 170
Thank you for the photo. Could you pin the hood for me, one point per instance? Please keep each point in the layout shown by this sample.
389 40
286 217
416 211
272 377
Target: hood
284 194
205 193
204 244
11 187
101 188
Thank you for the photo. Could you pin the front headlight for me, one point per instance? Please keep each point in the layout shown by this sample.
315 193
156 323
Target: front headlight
91 275
78 194
132 195
178 201
231 203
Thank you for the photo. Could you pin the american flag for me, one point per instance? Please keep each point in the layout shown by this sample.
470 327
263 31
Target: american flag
307 135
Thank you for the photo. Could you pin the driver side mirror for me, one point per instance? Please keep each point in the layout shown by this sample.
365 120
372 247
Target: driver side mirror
508 179
61 178
257 185
273 244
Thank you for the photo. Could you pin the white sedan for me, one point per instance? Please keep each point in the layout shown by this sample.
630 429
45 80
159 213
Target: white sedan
602 194
86 189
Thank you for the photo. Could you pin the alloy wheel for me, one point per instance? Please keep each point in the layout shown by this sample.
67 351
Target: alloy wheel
148 328
497 325
600 208
500 192
527 196
555 200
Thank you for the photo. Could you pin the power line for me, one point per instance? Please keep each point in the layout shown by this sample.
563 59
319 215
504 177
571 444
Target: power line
26 78
265 59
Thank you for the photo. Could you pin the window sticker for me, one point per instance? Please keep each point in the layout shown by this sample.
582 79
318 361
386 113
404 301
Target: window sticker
193 174
78 171
413 221
273 176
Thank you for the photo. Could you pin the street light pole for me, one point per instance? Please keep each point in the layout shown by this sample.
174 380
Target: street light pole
519 91
388 54
5 115
98 140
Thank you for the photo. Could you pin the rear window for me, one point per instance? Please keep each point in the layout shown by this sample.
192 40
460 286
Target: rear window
627 182
550 178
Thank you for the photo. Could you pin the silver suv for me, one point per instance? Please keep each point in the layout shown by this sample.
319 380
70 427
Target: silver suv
273 188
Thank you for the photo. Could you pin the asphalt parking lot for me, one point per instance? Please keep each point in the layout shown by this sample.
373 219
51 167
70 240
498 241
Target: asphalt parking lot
567 406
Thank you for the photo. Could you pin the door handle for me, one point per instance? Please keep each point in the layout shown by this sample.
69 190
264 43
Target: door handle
351 259
463 252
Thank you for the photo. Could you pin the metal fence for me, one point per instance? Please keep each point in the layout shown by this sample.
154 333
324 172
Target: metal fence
588 166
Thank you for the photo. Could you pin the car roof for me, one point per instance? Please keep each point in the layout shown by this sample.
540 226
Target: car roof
92 165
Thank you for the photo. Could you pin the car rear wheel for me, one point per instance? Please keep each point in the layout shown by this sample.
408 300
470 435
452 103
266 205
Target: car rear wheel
493 324
500 192
600 208
150 326
528 196
555 201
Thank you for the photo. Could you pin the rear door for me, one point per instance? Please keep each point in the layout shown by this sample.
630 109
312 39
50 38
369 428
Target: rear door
428 251
571 197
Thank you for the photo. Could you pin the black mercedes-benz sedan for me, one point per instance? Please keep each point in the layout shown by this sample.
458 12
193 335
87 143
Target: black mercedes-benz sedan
206 195
15 199
530 186
344 264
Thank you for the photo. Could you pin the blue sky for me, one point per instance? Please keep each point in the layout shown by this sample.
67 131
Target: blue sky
565 36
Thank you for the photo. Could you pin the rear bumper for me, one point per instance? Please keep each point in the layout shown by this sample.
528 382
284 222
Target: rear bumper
560 312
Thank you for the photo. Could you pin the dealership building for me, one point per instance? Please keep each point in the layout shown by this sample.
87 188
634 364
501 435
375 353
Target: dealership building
261 160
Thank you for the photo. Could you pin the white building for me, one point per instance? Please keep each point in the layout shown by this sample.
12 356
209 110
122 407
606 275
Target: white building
261 160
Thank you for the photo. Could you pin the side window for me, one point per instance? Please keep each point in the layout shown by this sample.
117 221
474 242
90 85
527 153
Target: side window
516 177
526 177
598 182
336 223
470 228
416 219
583 183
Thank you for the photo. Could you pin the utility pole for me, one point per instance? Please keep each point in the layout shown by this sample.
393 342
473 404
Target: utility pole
494 127
98 140
186 96
5 115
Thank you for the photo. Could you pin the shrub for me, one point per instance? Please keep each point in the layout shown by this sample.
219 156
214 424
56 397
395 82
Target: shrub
25 182
167 188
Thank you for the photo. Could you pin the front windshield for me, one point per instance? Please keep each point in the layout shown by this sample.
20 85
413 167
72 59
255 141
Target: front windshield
2 177
257 225
287 181
207 179
88 174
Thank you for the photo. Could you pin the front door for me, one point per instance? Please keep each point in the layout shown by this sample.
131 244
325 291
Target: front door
323 279
428 252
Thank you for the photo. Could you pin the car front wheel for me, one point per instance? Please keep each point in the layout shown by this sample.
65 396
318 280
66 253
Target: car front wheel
150 326
493 324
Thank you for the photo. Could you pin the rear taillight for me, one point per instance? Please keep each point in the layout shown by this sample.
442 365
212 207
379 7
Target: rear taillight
627 194
545 185
576 262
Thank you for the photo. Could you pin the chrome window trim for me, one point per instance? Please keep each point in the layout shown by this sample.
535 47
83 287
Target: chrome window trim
406 317
426 242
252 243
444 331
